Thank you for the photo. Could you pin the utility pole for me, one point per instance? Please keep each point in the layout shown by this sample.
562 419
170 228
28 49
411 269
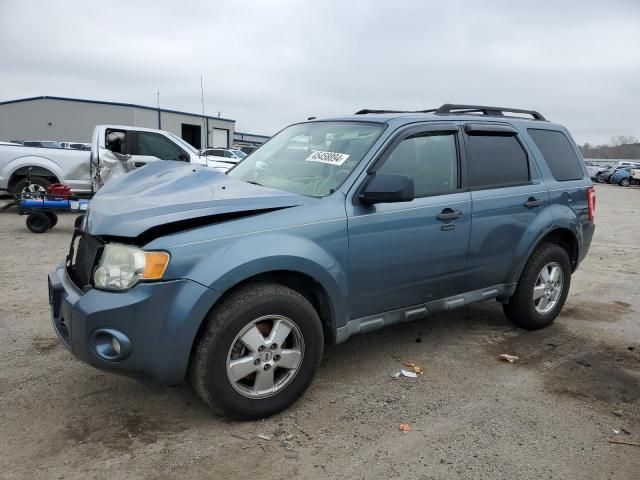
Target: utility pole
159 120
205 120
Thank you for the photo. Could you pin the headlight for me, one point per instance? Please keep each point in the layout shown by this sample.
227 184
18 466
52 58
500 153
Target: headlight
122 266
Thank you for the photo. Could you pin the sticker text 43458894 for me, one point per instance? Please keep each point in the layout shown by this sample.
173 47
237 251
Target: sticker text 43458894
332 158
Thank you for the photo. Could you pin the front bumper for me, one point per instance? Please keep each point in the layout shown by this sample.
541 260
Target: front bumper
160 319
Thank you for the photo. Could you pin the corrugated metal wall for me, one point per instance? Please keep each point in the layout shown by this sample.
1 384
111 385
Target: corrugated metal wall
66 120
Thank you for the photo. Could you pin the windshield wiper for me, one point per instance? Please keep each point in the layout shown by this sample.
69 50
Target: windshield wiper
254 183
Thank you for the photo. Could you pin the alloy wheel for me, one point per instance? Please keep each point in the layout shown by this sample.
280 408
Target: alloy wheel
265 356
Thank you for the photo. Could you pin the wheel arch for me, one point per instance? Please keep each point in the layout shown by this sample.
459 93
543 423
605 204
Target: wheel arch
36 170
562 236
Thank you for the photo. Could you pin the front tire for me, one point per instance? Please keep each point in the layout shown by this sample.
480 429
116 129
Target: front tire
259 351
542 289
625 182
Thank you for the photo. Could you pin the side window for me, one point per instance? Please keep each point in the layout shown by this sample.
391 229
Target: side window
156 145
558 153
496 161
228 154
430 159
217 153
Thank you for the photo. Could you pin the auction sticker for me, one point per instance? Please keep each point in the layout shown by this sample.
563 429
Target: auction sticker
332 158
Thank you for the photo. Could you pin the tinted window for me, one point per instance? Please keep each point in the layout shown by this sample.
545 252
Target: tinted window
430 159
156 145
496 161
558 153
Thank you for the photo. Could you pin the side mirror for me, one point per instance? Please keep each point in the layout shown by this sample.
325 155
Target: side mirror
388 188
183 157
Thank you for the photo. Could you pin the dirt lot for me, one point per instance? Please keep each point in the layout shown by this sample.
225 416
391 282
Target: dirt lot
473 416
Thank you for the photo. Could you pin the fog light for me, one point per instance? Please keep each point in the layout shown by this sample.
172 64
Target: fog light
110 345
116 345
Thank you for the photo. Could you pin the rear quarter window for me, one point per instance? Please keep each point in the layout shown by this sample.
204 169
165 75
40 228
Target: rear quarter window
559 154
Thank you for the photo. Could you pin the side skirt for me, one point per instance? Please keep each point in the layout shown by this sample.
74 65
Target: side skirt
374 322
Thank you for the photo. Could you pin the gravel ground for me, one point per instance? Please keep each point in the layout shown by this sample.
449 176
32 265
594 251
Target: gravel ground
551 415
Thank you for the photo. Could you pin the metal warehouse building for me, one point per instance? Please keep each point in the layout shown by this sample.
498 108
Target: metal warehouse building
73 119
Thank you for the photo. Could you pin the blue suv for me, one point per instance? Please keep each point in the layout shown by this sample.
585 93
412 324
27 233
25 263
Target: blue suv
333 227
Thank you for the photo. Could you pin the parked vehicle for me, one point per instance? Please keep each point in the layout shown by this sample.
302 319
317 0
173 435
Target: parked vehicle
593 169
239 279
624 177
41 143
14 144
76 145
606 175
120 147
226 155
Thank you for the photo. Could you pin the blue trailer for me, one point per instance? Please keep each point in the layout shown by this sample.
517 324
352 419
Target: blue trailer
42 211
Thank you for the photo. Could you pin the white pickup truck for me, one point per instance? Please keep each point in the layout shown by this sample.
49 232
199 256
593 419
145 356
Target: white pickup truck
114 149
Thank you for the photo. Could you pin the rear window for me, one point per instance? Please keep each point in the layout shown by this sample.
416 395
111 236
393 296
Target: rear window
496 161
558 153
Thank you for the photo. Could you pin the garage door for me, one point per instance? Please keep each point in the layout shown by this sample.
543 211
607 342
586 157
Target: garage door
219 138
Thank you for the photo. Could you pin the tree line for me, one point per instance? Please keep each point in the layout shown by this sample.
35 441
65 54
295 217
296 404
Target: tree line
619 147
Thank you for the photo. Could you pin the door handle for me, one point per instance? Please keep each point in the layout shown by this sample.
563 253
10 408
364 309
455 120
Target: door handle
140 164
448 214
533 202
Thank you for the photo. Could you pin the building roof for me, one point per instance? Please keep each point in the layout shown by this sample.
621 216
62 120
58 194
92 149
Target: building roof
117 104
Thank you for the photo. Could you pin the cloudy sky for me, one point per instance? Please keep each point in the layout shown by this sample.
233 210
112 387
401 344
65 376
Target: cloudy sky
270 63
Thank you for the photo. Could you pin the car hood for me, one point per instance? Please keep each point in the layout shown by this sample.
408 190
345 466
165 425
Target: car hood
167 193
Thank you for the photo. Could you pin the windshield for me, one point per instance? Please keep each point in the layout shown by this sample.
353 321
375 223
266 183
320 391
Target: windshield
184 144
239 153
311 159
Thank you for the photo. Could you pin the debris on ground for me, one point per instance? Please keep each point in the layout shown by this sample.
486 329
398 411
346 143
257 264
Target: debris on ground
617 413
409 373
405 427
263 436
509 358
615 431
623 442
396 375
414 367
628 432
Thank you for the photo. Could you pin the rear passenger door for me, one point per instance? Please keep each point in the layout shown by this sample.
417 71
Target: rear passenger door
410 253
564 173
510 202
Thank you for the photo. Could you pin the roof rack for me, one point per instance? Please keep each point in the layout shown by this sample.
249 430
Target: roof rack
451 108
366 111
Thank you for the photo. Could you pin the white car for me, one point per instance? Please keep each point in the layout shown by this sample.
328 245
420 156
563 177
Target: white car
76 145
230 156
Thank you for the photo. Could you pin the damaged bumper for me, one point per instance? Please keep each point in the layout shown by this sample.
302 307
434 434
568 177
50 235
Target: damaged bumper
144 332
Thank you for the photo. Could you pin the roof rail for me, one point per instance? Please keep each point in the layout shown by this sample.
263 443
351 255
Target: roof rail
366 111
451 108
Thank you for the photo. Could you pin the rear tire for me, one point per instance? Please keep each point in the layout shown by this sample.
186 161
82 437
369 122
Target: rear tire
237 343
39 186
625 182
38 222
523 308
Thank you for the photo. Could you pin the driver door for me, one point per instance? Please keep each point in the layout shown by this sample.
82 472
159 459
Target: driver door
410 253
148 147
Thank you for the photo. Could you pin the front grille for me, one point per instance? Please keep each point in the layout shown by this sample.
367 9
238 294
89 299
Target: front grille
86 256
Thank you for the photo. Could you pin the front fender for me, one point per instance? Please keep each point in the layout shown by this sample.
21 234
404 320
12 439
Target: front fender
222 264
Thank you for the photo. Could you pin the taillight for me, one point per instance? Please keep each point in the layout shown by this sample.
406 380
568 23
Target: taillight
591 202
